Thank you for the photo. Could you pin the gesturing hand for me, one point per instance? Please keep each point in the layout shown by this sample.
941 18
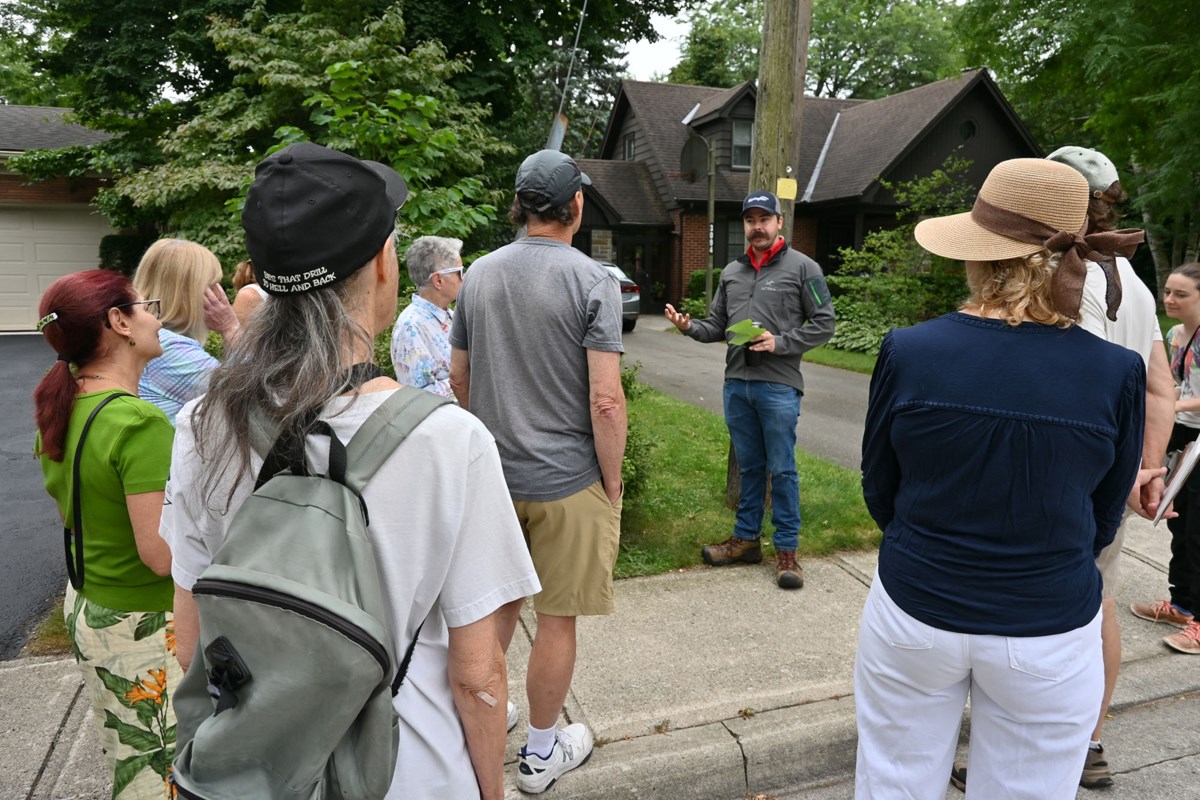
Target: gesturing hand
681 321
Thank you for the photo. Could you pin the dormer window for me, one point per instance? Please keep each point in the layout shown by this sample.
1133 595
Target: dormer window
630 146
743 138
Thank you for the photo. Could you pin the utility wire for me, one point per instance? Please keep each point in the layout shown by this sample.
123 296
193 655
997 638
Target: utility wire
562 100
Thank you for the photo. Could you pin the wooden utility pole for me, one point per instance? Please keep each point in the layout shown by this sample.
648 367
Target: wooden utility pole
779 111
778 118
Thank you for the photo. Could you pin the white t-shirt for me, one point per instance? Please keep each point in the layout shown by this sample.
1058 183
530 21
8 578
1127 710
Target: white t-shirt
1136 327
448 545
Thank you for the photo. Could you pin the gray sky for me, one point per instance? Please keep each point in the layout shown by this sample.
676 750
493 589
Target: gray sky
645 60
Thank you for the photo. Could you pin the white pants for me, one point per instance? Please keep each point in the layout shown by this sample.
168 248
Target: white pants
1033 706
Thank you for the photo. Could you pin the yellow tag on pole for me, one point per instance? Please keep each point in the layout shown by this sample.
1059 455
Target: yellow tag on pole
785 189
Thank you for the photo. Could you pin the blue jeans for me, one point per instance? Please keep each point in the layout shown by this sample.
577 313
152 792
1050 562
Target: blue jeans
761 417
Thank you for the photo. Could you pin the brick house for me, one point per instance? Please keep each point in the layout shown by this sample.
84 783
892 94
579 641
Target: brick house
645 213
46 229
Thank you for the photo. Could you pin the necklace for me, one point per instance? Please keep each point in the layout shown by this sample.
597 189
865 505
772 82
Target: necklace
110 380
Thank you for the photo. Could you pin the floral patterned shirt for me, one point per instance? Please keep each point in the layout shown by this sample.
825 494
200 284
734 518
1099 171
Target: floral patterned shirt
421 347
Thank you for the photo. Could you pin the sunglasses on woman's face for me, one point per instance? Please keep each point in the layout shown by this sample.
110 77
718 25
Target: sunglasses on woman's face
152 306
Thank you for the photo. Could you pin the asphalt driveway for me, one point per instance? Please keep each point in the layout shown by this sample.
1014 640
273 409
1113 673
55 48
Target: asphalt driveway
32 568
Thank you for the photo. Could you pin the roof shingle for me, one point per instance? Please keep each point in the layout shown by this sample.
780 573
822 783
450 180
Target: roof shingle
36 127
629 188
870 136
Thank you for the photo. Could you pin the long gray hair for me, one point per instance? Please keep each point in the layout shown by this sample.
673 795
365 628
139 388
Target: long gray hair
289 361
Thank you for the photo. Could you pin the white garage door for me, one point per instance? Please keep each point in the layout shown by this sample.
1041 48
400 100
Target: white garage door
37 246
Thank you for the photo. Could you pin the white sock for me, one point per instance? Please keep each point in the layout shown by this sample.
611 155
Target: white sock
1094 745
541 741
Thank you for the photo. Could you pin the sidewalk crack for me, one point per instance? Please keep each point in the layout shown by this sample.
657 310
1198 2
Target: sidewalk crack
37 779
745 758
853 571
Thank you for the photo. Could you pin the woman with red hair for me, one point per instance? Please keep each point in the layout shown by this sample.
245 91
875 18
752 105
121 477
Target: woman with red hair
105 455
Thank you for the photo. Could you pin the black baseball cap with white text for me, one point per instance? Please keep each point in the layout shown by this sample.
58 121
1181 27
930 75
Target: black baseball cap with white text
314 216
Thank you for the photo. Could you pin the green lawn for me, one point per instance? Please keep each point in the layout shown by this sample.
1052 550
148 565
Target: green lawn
681 507
51 638
842 359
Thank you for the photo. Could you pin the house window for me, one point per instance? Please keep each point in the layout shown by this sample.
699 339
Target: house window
630 142
743 137
735 241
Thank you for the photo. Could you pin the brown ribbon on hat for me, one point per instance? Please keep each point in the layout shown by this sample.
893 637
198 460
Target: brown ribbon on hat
1067 286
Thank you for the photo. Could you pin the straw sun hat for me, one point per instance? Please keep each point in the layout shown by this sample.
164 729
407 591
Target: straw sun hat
1027 205
1046 191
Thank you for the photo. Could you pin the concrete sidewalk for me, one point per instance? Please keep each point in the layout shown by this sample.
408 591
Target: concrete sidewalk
709 683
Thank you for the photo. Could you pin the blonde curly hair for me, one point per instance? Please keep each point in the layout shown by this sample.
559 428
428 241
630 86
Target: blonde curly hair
1020 289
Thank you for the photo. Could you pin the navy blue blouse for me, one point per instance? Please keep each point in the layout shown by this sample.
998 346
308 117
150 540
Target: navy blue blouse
997 461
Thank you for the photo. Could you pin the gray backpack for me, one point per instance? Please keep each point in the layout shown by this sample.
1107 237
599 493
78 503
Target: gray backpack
289 694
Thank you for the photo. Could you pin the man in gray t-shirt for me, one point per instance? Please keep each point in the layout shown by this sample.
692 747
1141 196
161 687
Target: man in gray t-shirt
536 355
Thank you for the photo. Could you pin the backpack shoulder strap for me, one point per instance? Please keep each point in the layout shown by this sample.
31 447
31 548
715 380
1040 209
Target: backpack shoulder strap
263 432
374 442
384 430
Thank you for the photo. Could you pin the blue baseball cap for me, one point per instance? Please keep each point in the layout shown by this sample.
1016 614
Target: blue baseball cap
762 199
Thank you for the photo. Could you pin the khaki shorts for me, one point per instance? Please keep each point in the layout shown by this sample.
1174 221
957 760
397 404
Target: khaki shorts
1109 560
573 542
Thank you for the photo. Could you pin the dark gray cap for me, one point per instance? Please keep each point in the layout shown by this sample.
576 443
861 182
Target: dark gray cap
552 176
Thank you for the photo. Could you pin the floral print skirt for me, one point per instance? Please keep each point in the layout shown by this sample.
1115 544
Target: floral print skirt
129 669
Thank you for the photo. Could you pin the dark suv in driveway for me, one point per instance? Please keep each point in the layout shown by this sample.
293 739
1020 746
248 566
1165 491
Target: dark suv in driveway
631 295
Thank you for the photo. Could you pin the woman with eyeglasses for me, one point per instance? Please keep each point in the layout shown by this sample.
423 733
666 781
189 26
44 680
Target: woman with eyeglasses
109 490
187 278
420 337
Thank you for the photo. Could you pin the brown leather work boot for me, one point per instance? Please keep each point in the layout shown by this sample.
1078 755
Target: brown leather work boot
731 550
788 572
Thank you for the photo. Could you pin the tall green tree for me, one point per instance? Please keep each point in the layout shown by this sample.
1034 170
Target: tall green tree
321 74
23 81
857 48
347 83
147 71
511 43
520 55
872 48
721 48
1115 75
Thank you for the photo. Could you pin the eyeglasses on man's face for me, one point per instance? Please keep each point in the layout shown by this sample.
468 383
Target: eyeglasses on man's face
450 271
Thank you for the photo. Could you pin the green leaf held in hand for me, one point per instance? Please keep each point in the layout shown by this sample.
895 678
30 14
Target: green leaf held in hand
743 332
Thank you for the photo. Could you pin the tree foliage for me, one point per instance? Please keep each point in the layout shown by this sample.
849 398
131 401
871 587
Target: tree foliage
23 81
721 48
857 48
890 281
197 90
317 73
1115 75
873 48
509 43
345 83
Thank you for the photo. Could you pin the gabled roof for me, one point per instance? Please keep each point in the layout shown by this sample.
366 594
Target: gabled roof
713 106
36 127
627 191
871 136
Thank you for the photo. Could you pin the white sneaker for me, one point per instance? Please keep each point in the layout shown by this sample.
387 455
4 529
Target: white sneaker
572 747
512 715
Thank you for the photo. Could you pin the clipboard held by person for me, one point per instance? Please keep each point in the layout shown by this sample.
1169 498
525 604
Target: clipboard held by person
1179 467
